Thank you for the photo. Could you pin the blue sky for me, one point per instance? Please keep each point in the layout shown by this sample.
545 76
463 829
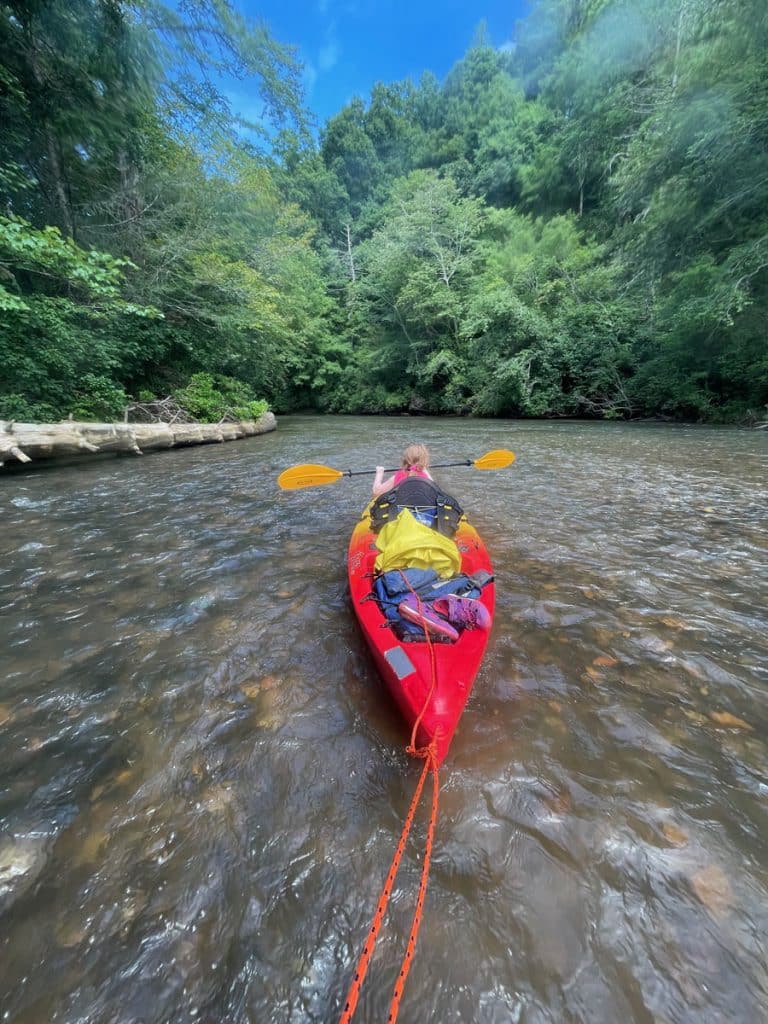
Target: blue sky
348 45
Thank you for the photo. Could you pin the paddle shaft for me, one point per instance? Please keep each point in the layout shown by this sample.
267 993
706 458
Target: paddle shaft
436 465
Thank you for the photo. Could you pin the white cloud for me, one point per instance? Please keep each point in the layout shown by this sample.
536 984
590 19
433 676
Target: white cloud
329 55
309 75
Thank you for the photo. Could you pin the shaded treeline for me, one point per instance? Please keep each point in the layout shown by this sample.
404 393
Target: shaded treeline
141 241
575 226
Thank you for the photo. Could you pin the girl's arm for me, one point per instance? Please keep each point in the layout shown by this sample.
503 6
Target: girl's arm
381 486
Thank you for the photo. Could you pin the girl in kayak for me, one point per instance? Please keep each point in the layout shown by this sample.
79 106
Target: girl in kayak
415 465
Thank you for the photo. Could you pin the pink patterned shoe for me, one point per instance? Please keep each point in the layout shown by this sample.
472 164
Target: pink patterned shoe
422 614
463 611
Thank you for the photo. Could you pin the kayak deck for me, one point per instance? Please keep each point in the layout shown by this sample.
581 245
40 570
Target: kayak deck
434 678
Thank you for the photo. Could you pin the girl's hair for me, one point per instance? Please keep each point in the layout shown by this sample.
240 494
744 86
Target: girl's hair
415 456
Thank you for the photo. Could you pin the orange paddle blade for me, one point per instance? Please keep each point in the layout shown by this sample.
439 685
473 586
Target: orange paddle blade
499 458
308 475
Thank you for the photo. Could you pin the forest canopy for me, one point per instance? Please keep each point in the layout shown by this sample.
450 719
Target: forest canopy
575 226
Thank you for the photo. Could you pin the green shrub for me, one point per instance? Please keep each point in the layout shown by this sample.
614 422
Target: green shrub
99 399
209 397
17 407
251 410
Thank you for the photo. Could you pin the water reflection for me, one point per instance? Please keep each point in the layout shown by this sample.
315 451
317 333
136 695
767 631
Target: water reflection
202 782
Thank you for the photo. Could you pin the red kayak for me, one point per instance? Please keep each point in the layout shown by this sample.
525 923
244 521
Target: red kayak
429 679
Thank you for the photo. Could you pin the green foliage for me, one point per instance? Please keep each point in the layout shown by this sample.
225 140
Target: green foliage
636 137
130 258
98 398
59 345
579 227
43 260
210 397
19 407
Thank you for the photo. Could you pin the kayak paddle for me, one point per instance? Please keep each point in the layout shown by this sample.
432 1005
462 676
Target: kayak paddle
311 475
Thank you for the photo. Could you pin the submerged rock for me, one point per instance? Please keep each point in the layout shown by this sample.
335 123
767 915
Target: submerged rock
22 861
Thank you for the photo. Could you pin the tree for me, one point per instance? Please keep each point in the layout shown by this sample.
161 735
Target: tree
103 99
414 273
60 305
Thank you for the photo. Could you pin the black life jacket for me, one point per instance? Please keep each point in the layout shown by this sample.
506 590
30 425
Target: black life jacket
424 498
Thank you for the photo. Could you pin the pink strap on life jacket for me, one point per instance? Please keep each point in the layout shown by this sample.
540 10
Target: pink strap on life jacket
404 474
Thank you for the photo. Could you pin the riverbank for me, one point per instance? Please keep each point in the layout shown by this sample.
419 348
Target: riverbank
24 443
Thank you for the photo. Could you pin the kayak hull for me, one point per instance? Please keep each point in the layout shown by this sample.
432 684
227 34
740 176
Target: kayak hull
433 678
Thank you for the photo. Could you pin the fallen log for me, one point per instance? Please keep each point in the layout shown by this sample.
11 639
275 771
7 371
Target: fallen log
212 433
9 447
232 431
109 437
26 442
152 436
187 433
42 440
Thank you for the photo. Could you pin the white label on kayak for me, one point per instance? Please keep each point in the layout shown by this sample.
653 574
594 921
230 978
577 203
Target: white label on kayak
400 662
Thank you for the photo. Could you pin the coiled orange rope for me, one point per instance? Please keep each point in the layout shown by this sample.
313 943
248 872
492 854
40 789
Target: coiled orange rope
429 754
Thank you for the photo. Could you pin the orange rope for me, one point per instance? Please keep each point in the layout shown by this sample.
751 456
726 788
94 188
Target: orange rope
429 754
365 956
411 944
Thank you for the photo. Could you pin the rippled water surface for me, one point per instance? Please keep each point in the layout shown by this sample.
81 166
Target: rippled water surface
202 782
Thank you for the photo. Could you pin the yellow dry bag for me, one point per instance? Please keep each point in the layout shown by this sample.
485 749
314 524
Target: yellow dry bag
405 543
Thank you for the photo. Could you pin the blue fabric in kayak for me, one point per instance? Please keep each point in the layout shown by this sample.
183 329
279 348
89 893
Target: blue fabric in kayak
391 587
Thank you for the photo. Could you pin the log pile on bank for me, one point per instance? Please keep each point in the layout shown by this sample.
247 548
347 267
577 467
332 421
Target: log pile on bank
25 442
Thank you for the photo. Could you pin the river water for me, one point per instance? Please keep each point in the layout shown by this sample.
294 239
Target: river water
202 782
